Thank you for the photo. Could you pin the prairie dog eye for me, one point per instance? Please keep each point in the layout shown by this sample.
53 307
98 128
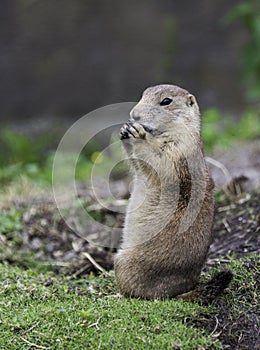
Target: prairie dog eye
166 101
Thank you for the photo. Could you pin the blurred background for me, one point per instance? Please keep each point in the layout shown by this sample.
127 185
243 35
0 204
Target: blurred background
60 60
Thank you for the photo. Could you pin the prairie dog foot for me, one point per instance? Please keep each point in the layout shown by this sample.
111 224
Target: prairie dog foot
134 130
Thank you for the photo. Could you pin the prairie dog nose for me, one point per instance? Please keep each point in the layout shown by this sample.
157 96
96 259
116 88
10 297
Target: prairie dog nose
134 114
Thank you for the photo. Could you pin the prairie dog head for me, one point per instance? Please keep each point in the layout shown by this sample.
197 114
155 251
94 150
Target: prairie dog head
168 109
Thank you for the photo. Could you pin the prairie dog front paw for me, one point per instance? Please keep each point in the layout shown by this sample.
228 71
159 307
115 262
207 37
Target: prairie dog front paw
134 130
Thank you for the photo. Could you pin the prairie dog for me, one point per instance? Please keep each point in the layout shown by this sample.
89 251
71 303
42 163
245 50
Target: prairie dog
168 224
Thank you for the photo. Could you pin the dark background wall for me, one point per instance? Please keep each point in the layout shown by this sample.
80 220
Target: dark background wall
66 58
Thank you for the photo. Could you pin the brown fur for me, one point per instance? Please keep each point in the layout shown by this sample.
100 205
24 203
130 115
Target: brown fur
168 224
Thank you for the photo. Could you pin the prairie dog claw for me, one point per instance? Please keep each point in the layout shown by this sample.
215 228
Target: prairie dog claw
134 130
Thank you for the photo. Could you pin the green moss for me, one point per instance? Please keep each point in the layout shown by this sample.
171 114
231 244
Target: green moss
56 313
53 312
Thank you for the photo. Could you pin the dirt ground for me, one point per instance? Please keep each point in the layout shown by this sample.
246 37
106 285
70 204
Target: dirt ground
44 232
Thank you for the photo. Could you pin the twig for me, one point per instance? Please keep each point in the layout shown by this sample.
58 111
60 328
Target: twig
214 261
212 334
227 207
226 224
35 345
33 326
93 262
57 263
95 323
78 272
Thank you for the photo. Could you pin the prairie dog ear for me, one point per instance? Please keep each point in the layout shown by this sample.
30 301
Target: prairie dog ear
191 100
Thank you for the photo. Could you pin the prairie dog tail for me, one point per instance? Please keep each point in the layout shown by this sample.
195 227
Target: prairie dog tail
208 293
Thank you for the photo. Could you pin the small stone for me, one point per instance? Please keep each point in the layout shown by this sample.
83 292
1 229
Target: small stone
157 330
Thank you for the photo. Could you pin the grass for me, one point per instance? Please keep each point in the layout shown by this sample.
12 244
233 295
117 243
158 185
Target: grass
49 312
